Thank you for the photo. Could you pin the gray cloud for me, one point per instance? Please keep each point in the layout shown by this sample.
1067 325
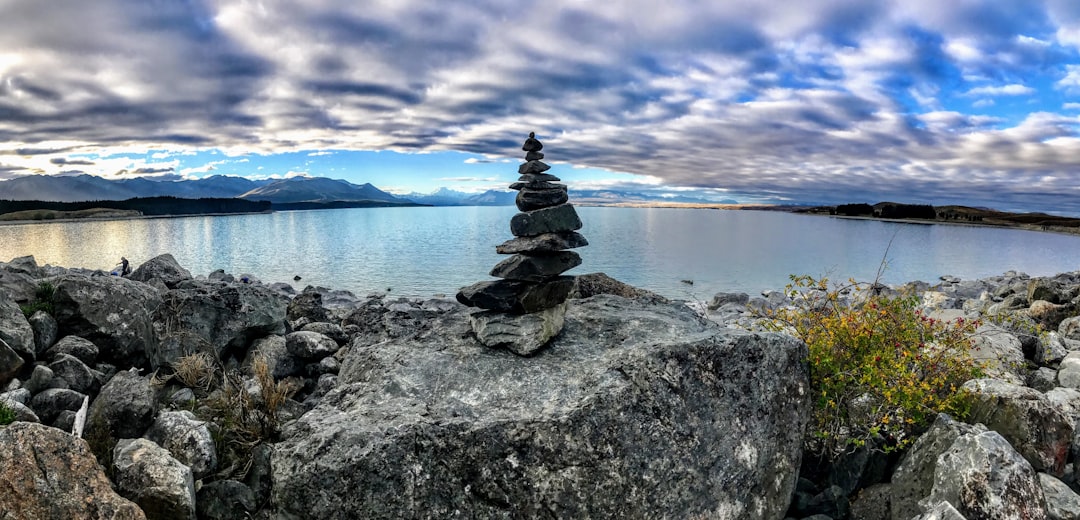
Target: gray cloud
828 101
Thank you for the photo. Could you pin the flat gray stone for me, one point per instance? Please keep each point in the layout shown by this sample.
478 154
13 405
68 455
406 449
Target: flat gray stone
522 334
529 200
515 296
537 185
555 219
546 242
538 177
536 268
533 167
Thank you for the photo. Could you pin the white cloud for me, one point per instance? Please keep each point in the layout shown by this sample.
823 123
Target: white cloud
1014 89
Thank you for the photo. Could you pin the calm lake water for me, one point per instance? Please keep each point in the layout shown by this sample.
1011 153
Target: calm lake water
427 251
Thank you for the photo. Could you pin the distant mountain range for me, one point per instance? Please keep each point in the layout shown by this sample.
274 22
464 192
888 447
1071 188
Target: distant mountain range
296 192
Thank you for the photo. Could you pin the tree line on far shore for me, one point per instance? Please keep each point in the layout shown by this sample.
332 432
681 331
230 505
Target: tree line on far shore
151 206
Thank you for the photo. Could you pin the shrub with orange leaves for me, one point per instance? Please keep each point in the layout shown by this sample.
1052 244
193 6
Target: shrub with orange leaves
879 367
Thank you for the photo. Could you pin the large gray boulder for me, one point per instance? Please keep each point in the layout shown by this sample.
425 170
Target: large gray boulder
634 411
125 407
1001 352
913 479
147 475
16 331
187 439
984 477
1037 428
163 267
48 474
78 376
114 313
215 316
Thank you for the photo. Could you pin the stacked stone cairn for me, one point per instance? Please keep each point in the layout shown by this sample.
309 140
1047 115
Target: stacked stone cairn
524 310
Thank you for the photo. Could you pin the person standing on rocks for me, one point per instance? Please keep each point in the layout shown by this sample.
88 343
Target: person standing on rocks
125 267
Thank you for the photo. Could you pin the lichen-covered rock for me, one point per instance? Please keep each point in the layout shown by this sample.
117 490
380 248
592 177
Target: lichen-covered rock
16 331
310 345
1050 350
1062 503
10 362
1001 351
635 410
45 331
114 313
224 500
1069 370
125 407
147 475
913 479
82 349
49 404
223 316
1037 428
46 474
78 376
982 476
273 350
187 439
522 334
162 267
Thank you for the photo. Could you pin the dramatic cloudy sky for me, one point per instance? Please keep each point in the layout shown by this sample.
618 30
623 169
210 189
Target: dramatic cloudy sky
934 101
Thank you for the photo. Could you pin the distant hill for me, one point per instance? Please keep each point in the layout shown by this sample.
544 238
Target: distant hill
319 189
80 188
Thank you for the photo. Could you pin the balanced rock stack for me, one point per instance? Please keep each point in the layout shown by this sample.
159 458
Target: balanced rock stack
525 309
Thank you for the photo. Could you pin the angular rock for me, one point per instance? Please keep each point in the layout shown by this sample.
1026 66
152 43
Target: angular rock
592 284
163 267
226 317
49 404
25 265
187 439
872 503
10 363
1049 315
547 242
18 287
45 331
634 411
113 313
1062 503
516 297
1069 370
224 500
16 331
1049 290
1043 379
533 167
82 349
330 330
125 407
18 395
40 379
23 413
538 177
982 476
1001 351
522 334
1070 328
548 220
529 200
536 267
1037 428
1050 349
310 345
78 376
273 349
534 156
722 299
308 304
913 479
147 475
49 474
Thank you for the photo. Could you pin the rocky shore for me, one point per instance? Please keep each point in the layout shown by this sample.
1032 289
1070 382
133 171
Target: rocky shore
167 395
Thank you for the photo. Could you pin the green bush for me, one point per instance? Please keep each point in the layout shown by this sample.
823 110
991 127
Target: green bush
879 368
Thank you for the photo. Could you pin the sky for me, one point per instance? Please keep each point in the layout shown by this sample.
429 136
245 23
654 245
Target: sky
819 101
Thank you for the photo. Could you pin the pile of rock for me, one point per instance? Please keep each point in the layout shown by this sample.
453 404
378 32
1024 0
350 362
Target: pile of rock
525 309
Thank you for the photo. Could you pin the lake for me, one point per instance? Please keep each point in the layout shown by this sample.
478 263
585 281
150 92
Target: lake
426 251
